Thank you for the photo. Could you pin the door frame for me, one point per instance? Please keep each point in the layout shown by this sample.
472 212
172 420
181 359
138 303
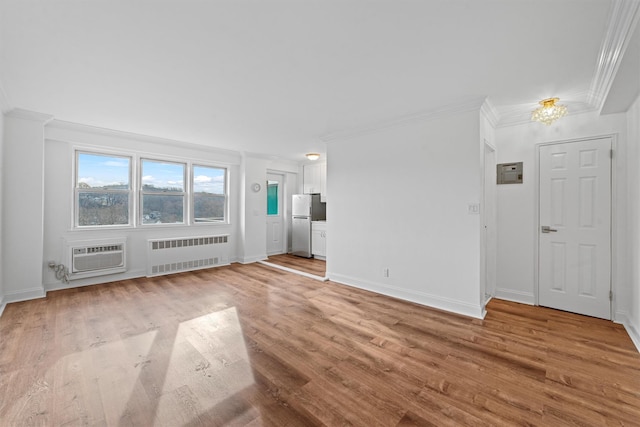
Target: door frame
613 235
285 207
488 291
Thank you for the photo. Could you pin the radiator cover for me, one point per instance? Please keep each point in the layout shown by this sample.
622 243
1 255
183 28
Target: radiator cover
165 256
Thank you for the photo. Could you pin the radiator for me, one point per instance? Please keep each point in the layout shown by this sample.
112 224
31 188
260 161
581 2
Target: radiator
88 258
165 256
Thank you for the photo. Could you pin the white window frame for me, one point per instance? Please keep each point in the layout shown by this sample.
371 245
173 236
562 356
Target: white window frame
192 201
184 194
77 190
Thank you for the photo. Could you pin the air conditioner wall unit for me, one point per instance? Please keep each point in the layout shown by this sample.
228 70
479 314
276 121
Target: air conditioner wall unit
89 258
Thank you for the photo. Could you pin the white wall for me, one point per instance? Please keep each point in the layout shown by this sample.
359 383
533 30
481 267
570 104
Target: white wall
516 202
23 205
2 305
61 141
399 200
253 212
632 322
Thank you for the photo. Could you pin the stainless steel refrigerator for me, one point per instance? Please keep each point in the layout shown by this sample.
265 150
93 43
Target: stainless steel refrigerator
304 209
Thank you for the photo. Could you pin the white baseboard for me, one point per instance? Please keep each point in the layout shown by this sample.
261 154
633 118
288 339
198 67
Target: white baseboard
633 331
429 300
2 306
515 296
78 283
291 270
252 259
24 295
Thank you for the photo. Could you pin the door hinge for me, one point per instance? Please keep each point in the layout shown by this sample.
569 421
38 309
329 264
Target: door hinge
610 295
611 153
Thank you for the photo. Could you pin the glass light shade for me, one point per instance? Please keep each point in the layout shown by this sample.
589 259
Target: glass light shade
548 112
312 156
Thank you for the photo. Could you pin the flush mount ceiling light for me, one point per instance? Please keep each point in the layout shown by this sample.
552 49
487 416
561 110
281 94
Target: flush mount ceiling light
312 156
548 112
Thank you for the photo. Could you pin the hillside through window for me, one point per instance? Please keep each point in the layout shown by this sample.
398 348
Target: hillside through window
103 190
209 194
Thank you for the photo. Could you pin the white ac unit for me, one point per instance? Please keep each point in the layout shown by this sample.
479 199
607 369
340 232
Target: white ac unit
95 258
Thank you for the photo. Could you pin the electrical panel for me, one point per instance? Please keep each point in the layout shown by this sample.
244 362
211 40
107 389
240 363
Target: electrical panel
509 173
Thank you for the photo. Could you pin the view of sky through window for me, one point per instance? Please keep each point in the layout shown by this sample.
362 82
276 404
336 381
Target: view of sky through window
161 175
208 180
98 171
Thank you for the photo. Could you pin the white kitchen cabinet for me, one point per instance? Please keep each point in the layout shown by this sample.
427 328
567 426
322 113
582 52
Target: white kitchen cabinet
319 239
314 179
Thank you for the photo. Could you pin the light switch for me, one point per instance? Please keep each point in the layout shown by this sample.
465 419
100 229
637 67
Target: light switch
474 208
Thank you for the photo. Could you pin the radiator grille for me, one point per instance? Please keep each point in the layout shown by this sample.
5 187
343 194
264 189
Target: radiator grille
186 253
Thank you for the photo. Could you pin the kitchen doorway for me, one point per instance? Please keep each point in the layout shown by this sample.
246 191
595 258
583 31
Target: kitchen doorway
276 224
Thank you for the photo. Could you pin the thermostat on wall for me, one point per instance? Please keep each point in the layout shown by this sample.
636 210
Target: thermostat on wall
509 173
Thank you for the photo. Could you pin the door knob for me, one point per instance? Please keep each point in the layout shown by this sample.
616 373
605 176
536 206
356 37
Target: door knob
547 229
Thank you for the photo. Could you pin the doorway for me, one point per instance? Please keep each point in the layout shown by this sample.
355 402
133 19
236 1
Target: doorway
276 229
574 227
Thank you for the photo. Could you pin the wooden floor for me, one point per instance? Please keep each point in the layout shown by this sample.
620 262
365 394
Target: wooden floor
253 345
313 266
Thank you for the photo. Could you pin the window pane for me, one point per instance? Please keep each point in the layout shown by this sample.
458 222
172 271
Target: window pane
106 172
102 208
162 209
208 208
162 176
208 180
272 198
209 194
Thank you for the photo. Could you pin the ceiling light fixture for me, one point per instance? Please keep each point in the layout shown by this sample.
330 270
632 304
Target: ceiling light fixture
548 112
312 156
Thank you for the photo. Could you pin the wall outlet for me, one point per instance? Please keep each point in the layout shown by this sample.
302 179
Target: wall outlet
385 272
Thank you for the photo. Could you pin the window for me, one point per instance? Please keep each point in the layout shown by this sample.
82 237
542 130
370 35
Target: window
209 194
102 190
272 197
162 192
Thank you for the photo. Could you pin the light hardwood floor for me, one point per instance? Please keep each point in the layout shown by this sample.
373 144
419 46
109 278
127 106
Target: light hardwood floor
253 345
317 267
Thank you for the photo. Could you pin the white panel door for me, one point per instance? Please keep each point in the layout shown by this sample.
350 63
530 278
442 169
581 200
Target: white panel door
275 215
575 227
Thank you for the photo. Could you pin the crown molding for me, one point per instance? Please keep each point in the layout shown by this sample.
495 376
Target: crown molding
622 21
623 18
112 133
521 113
424 116
18 113
490 112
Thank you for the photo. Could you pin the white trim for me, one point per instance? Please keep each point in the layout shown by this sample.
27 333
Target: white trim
251 259
490 112
516 296
448 304
614 209
99 280
24 295
622 21
18 113
3 305
112 133
521 114
291 270
633 332
424 116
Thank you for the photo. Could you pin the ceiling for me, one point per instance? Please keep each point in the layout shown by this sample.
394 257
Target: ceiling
280 77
